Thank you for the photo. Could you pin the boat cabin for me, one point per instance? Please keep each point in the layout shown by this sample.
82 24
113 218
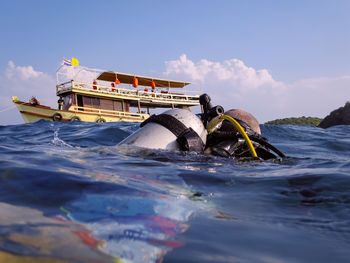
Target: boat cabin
118 95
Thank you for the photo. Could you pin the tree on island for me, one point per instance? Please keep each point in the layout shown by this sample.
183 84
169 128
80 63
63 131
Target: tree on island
311 121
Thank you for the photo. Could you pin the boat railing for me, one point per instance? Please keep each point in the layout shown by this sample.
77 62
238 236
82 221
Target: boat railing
112 113
64 86
125 92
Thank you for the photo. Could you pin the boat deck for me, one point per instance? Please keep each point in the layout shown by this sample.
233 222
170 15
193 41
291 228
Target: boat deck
145 97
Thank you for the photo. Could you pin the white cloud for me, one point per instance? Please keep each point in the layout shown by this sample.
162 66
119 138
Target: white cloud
232 84
233 71
24 82
24 73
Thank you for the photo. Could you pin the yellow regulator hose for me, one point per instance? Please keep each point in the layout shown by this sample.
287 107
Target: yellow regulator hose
242 132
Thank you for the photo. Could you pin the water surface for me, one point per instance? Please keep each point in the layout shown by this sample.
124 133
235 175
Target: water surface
69 194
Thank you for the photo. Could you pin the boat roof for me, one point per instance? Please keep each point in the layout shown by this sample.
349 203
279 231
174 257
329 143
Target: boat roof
142 80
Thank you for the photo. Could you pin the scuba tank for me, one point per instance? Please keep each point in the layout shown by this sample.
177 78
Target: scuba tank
176 129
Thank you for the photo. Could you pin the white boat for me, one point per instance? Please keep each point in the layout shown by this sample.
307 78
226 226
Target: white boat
93 95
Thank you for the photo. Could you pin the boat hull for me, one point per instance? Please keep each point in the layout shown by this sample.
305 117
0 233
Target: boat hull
32 113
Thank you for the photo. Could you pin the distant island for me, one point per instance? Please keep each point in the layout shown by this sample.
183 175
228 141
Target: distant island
311 121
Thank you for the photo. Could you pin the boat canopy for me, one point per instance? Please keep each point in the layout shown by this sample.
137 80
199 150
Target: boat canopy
142 81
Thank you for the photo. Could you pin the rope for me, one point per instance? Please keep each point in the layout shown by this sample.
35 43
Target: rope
8 108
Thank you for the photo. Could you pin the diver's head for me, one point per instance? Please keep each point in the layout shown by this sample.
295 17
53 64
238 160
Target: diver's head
243 116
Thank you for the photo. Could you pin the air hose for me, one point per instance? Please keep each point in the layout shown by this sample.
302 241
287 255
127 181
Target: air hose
242 132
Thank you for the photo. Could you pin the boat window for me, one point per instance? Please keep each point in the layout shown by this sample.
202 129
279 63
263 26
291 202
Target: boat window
80 102
117 105
86 101
106 104
126 105
90 101
67 102
95 101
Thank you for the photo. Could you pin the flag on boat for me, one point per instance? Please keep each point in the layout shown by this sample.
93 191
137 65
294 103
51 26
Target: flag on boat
72 62
75 62
67 62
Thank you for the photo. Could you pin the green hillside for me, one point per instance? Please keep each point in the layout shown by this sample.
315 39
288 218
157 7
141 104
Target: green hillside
312 121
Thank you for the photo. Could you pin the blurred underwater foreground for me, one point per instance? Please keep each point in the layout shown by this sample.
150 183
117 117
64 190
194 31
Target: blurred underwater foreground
69 194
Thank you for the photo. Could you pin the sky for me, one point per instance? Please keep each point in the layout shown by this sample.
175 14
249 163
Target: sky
274 59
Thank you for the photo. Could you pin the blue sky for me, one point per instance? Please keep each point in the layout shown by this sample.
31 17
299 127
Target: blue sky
296 53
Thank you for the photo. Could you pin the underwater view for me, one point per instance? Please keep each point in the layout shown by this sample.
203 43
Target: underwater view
69 193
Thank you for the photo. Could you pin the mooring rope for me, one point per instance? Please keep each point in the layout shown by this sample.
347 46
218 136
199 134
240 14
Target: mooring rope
8 108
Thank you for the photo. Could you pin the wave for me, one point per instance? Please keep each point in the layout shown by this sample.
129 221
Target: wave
140 204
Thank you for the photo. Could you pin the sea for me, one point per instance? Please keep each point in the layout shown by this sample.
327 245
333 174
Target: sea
69 193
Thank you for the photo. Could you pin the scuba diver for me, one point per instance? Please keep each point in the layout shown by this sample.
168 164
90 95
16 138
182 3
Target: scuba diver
233 134
227 141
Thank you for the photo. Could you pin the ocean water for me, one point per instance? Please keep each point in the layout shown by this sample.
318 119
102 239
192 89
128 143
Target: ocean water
68 193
